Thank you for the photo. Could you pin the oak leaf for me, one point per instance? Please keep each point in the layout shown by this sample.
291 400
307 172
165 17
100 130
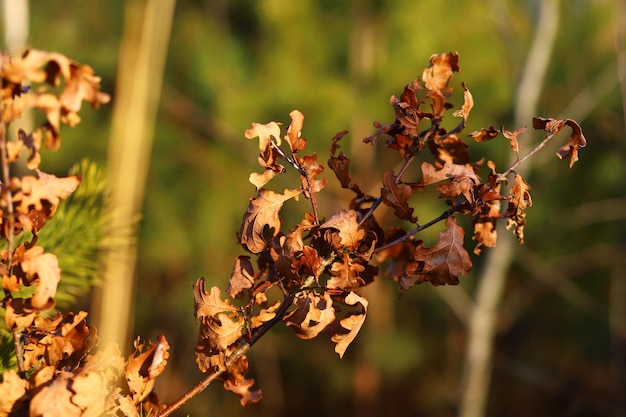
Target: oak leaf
347 225
238 384
294 132
12 389
242 276
512 137
345 330
350 274
442 263
519 201
145 364
220 322
43 268
88 387
437 76
468 103
432 175
263 212
396 196
340 164
484 134
312 314
575 142
266 133
265 315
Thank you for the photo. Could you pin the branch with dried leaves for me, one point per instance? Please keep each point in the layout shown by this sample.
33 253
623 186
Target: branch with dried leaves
308 276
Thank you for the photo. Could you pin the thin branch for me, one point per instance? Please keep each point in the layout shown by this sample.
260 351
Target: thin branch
418 229
191 393
519 161
244 347
379 200
308 188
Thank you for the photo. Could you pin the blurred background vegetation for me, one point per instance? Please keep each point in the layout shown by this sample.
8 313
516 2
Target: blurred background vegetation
560 346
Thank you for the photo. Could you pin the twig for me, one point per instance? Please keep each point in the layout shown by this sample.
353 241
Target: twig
294 163
379 200
519 161
244 347
418 229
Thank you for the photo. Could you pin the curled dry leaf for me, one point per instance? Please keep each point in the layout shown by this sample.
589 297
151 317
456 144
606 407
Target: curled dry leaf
442 263
12 390
242 276
468 103
294 132
396 196
265 133
575 142
262 213
519 200
312 314
43 268
344 332
347 225
437 76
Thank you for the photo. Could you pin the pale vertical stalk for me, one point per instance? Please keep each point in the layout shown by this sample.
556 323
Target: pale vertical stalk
16 25
138 91
16 19
492 281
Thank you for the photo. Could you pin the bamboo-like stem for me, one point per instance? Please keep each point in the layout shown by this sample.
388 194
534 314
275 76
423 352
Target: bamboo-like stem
141 67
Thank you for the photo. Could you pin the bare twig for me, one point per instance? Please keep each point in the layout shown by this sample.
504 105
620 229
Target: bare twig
418 229
520 161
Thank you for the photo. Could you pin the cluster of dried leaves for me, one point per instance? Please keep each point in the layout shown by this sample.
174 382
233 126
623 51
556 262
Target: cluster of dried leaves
318 266
59 372
307 277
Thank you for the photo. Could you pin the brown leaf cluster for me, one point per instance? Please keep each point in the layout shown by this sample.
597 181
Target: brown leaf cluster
69 377
309 276
60 371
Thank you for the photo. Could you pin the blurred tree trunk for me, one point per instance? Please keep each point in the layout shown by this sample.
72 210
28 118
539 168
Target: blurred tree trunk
492 281
143 52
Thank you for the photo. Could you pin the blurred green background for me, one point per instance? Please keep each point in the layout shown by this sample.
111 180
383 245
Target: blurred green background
560 345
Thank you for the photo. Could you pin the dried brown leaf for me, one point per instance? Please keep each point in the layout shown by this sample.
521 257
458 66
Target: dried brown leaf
396 196
437 76
42 268
468 103
347 225
12 389
294 132
266 133
519 200
442 263
242 276
349 326
312 314
262 213
575 142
